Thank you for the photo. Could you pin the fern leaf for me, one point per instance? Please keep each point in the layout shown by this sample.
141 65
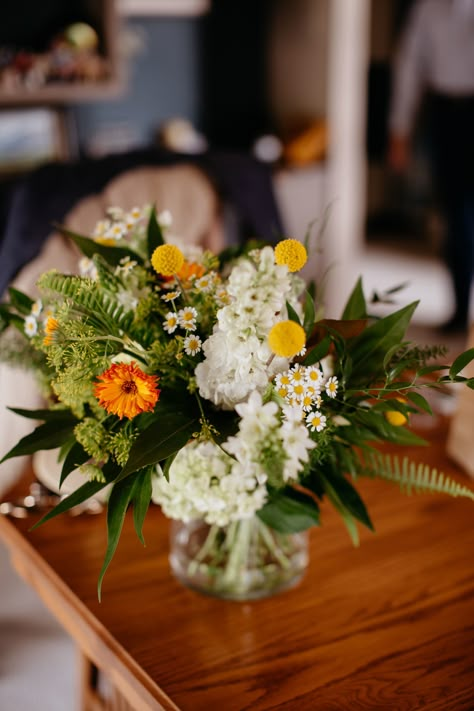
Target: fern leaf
411 476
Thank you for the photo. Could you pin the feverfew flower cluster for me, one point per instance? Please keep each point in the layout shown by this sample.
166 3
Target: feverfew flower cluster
237 354
303 389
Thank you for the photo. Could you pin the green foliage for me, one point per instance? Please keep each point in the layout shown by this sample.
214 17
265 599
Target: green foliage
289 511
411 476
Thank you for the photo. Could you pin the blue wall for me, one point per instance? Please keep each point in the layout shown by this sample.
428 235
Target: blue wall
163 82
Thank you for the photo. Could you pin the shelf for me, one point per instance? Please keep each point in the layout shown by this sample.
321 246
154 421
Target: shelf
151 8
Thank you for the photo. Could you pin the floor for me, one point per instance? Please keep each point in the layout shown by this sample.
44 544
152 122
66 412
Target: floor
37 660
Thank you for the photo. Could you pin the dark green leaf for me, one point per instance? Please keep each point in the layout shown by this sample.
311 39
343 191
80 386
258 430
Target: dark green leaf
369 348
309 314
337 485
119 500
318 352
154 233
46 415
289 511
89 247
292 315
461 362
20 301
141 500
84 492
159 441
421 402
356 307
76 456
47 436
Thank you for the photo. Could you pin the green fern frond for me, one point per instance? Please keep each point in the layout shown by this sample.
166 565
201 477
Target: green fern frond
100 306
411 476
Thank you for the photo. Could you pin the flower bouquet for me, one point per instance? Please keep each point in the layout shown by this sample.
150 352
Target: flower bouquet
212 385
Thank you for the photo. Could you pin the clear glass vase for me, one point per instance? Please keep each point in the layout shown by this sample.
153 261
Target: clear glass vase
245 560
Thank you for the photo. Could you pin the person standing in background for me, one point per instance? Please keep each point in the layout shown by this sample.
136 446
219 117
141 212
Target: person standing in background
435 61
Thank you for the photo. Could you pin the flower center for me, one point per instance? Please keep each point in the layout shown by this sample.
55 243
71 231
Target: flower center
129 386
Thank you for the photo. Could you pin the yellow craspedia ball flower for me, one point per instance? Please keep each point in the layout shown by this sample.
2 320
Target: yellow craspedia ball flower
167 259
396 418
286 339
292 253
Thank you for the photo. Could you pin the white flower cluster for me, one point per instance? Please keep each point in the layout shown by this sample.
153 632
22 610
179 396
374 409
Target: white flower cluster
267 448
206 483
236 354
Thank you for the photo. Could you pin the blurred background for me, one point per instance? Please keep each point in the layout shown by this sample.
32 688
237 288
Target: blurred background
286 104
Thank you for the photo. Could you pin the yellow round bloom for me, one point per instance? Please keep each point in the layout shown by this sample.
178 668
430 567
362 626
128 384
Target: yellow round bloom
396 418
125 390
286 338
292 253
167 259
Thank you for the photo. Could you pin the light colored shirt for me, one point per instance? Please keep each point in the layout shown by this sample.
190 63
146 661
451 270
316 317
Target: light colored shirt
436 52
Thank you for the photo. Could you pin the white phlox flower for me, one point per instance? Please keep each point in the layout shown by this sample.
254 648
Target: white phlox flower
206 483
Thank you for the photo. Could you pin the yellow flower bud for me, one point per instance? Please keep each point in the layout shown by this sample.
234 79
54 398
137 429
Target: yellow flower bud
167 259
292 253
286 339
396 418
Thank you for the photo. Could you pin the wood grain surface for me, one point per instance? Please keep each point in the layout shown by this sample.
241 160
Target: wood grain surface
388 625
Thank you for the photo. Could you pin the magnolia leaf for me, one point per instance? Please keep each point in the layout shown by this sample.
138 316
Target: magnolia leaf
119 499
289 511
356 307
90 247
141 500
461 362
346 516
346 329
159 441
154 233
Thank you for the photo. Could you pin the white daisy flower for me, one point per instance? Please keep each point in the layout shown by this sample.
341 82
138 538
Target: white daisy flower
170 324
187 318
314 376
36 308
101 228
316 421
115 213
30 326
297 374
116 231
331 386
192 345
171 295
206 282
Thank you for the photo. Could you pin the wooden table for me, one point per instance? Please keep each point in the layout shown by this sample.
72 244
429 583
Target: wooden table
389 625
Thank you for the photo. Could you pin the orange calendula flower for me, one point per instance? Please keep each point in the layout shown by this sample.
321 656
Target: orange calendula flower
125 390
51 325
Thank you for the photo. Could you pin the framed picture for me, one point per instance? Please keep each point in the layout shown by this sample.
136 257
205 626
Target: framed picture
29 137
